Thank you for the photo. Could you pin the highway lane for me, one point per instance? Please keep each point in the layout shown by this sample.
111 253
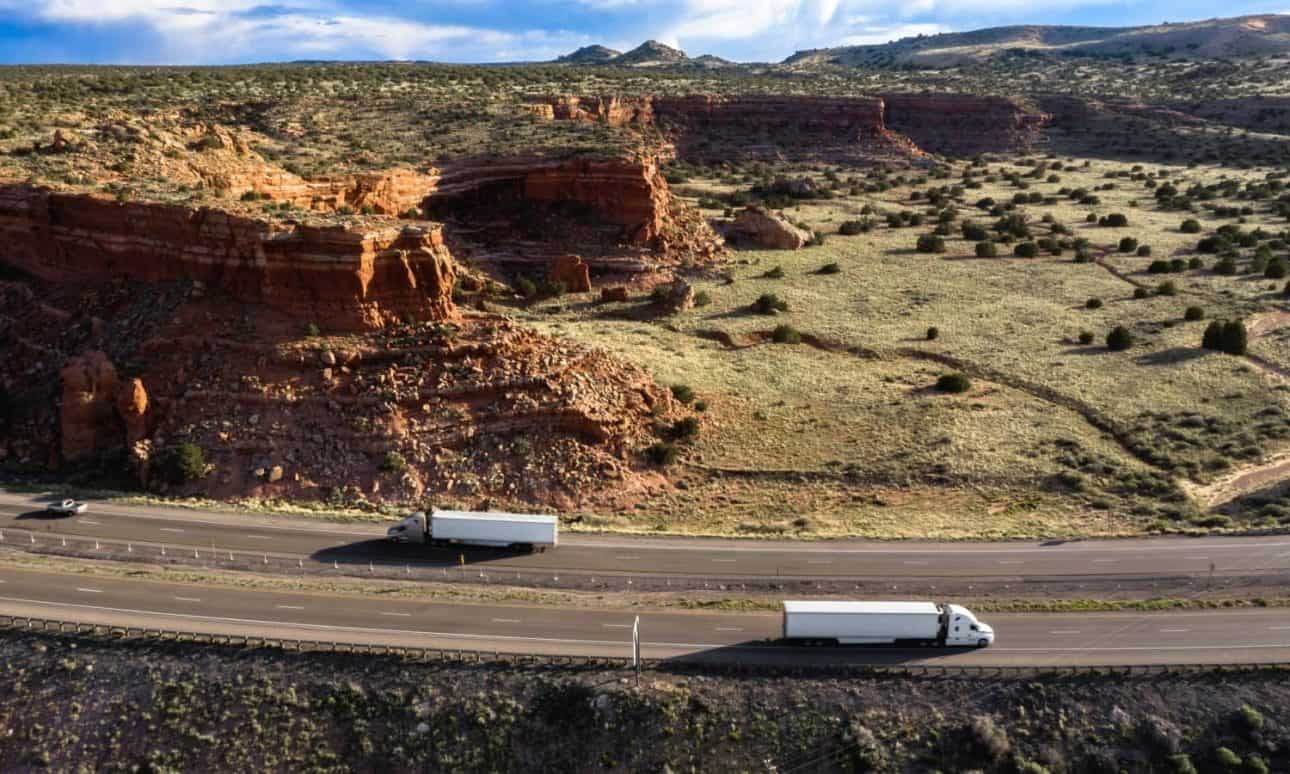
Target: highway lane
1221 636
683 557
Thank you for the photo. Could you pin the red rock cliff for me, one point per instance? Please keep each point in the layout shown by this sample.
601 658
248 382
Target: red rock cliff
963 125
335 277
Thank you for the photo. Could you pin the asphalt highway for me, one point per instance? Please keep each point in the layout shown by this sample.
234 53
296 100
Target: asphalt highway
313 540
1230 636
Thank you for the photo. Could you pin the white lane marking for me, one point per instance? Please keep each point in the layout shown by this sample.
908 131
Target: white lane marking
1064 631
188 599
617 626
915 562
1173 631
1278 628
1012 561
626 557
171 529
729 629
1195 558
290 607
401 615
568 641
506 620
819 561
90 591
260 537
87 521
1104 561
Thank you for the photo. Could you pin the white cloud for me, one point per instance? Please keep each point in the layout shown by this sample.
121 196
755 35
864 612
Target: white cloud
873 35
199 31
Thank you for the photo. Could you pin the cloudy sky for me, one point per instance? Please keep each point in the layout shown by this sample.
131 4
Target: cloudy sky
234 31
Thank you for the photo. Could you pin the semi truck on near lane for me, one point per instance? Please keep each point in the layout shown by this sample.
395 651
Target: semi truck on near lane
491 530
885 623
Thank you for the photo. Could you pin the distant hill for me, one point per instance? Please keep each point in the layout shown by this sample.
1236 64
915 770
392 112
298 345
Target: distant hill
1243 36
651 53
590 55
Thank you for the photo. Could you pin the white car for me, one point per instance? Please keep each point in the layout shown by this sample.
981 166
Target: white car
66 508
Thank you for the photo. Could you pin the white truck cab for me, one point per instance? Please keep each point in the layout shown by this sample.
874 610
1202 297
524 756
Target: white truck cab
410 530
963 629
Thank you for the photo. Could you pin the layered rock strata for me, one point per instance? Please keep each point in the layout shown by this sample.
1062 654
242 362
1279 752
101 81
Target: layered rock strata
336 277
707 127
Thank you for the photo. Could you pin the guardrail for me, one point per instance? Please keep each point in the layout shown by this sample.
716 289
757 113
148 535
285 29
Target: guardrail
680 664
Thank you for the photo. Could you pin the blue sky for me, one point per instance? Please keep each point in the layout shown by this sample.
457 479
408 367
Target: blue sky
236 31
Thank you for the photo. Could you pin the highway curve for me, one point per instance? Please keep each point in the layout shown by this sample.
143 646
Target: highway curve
315 541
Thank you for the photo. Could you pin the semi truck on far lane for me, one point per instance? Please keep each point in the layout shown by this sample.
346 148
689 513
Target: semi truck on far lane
885 623
491 530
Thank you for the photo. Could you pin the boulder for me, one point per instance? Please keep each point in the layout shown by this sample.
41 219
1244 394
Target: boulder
759 226
573 272
616 293
680 296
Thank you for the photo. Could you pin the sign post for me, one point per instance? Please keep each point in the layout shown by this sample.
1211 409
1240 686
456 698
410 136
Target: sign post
636 649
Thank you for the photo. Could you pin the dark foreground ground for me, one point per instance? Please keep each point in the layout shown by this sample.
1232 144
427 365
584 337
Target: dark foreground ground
80 704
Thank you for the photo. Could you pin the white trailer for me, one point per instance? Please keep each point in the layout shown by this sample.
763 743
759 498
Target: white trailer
492 530
885 623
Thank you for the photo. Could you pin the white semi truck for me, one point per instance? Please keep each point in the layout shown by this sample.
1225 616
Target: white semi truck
879 623
491 530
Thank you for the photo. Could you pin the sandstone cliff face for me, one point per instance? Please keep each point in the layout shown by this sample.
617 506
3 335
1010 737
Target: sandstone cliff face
893 126
629 193
335 277
963 125
710 127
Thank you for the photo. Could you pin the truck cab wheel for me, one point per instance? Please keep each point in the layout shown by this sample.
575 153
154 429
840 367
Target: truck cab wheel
981 643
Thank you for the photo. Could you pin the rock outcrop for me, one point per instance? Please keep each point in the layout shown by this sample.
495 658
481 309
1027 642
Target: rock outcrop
333 276
573 272
88 420
892 126
760 227
964 124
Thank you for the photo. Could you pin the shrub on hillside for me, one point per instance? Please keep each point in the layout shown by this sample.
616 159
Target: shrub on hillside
683 393
953 383
1190 226
1128 244
1026 250
786 334
769 303
930 243
1119 339
187 463
1194 313
986 249
1093 303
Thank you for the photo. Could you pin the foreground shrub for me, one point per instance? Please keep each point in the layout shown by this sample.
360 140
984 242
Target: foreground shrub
786 334
954 383
769 303
986 249
1119 339
662 454
930 243
683 392
1194 313
187 463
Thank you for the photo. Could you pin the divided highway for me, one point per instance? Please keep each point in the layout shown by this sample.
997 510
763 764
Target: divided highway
1236 636
687 557
1217 636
